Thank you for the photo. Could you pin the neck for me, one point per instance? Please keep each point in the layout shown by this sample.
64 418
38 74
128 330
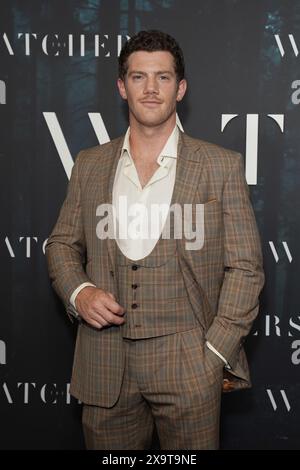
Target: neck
148 142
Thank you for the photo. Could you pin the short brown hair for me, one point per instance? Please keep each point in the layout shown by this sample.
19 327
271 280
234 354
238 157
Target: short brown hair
151 41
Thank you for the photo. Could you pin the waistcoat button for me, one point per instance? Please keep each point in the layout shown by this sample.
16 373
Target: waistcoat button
134 286
134 305
134 267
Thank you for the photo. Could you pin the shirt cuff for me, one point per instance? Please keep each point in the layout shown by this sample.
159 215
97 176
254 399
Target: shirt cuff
76 291
210 346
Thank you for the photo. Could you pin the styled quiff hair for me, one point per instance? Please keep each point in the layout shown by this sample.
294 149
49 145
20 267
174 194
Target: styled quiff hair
151 41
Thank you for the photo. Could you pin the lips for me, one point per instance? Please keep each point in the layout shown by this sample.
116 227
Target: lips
151 102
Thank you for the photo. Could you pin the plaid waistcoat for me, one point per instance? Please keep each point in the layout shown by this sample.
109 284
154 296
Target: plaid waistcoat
153 292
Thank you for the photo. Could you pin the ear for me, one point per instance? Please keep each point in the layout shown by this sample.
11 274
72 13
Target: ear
182 86
122 89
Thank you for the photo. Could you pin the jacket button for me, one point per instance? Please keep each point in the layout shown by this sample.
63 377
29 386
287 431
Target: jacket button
134 267
134 305
134 286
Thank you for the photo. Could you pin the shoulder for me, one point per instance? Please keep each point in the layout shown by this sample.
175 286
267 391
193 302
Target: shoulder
92 155
214 155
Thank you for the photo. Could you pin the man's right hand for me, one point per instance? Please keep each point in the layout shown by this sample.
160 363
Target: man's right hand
98 307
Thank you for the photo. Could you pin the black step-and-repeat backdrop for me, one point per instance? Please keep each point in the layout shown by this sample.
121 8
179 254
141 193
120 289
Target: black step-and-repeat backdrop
58 94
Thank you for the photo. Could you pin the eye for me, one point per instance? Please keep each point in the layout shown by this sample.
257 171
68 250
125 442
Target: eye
137 77
164 77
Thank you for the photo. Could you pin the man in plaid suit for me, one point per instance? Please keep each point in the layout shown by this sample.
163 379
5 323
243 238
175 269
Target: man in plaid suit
161 324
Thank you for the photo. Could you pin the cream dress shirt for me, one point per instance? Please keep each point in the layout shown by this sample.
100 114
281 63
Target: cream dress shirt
139 222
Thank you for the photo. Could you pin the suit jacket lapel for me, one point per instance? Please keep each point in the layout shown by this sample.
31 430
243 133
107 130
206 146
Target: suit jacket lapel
188 170
115 154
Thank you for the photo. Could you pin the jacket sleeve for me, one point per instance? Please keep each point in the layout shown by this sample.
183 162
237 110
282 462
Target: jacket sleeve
66 245
244 278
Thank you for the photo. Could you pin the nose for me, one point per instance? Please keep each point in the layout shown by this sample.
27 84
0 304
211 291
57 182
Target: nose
151 85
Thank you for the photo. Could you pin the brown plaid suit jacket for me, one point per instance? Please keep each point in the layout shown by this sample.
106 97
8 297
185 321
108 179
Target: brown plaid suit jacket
223 279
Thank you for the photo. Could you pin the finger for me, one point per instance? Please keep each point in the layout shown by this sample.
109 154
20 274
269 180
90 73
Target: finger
94 323
110 317
111 295
113 306
98 317
103 321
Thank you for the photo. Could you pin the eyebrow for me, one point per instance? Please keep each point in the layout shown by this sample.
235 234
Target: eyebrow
157 73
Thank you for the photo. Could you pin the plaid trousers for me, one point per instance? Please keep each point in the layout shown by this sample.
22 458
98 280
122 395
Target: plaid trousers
172 381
